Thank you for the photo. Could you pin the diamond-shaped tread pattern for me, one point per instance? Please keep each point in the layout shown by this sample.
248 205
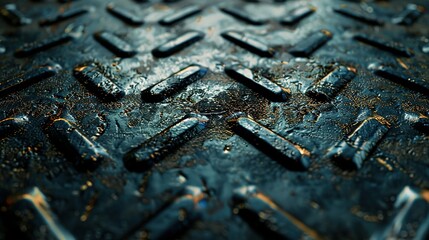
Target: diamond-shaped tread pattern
153 119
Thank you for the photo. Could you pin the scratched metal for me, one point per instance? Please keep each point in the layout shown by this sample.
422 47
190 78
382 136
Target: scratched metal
112 202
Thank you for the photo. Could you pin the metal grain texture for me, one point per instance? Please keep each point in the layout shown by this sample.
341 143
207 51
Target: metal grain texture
111 202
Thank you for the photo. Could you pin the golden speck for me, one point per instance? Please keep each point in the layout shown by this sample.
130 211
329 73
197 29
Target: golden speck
382 120
365 216
402 63
422 116
263 215
314 205
425 195
235 211
384 163
80 69
352 69
287 90
83 218
326 32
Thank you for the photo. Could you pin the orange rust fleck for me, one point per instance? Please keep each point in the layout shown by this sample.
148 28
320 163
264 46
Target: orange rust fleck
352 69
425 195
382 120
402 63
326 32
385 164
80 69
298 223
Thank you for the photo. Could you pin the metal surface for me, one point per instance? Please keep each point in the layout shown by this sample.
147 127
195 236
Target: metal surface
182 119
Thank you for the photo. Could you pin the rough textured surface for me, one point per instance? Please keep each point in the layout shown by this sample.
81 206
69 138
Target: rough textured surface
67 98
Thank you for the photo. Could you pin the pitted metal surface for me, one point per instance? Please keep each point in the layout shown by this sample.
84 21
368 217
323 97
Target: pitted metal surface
214 119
